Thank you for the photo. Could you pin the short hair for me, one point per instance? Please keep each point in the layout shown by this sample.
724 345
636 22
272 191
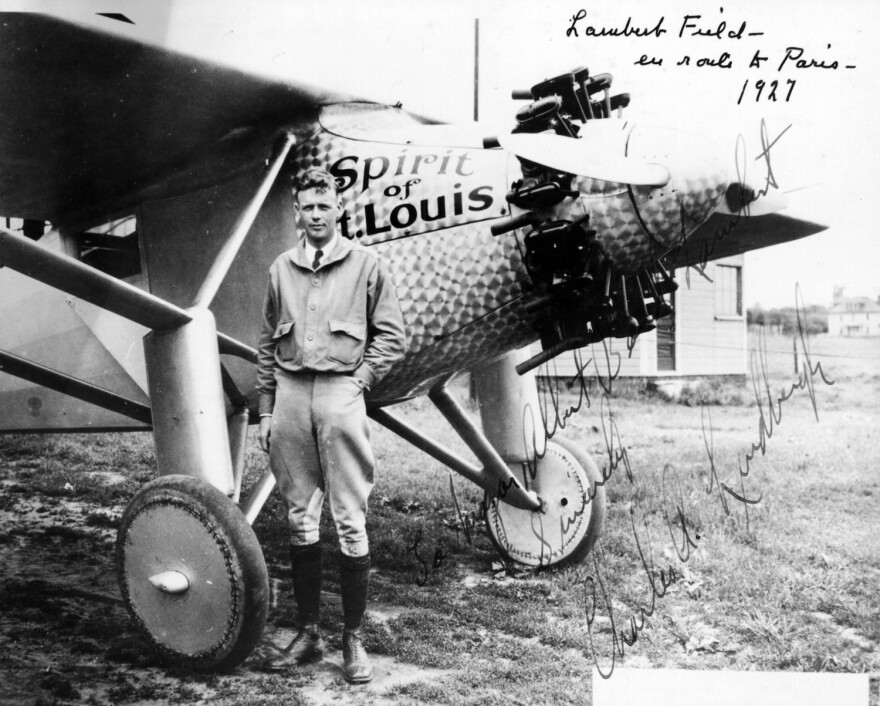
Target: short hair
319 179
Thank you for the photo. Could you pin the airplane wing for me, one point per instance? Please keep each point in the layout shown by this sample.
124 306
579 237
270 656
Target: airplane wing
116 122
723 235
91 125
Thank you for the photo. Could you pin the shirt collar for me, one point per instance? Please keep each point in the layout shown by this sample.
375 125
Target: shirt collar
326 250
341 247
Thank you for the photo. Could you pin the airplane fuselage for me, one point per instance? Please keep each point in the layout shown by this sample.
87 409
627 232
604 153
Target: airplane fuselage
425 204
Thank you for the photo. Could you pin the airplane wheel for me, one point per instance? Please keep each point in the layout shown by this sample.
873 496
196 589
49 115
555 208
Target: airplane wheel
570 524
192 573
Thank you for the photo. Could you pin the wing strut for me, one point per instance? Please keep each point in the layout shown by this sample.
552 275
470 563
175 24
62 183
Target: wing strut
238 422
76 278
187 404
190 429
233 244
67 385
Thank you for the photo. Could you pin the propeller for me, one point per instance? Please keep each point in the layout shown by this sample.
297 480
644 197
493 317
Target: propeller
584 158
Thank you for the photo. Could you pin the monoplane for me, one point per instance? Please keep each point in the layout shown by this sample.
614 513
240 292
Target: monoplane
146 193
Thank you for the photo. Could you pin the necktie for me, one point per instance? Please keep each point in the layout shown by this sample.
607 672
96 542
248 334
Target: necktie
318 255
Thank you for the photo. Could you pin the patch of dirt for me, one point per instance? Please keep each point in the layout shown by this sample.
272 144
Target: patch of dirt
66 638
327 683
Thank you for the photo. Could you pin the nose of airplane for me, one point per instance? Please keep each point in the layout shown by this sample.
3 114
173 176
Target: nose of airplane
698 175
637 224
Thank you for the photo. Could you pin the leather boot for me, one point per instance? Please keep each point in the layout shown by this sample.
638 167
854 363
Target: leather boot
308 645
357 669
354 579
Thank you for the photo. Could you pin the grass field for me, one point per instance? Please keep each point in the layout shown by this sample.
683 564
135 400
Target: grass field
787 583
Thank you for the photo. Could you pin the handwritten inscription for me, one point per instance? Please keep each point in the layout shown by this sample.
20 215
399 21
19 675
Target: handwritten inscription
770 410
794 57
427 568
698 256
597 595
683 537
608 632
771 94
560 399
715 29
627 30
769 404
553 416
688 26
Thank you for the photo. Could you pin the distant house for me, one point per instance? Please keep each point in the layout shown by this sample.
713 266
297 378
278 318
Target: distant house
706 334
854 316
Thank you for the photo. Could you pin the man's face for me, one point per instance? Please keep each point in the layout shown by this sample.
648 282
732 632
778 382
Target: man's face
317 213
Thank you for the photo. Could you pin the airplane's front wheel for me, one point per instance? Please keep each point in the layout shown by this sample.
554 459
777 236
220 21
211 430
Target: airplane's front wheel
192 573
564 532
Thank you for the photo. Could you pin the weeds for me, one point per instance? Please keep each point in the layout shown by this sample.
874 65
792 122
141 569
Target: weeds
793 589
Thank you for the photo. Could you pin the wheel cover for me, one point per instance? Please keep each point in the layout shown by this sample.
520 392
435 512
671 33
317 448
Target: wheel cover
536 538
169 535
192 574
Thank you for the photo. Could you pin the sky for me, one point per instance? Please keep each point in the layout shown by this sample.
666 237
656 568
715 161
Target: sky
422 54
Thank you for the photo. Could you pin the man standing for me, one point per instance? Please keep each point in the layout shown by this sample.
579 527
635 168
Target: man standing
332 327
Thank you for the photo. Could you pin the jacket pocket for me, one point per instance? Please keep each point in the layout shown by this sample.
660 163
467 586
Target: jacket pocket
283 338
346 341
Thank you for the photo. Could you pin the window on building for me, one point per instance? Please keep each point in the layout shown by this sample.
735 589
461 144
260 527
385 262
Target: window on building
728 290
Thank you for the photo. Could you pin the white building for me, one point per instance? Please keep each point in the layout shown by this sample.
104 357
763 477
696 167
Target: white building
705 335
854 316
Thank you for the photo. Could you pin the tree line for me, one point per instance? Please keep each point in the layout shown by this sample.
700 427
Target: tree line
814 318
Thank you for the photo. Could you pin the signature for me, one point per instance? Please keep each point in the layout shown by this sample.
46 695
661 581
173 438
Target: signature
436 562
684 543
769 404
707 246
658 581
714 480
741 164
683 536
805 381
563 398
553 416
614 448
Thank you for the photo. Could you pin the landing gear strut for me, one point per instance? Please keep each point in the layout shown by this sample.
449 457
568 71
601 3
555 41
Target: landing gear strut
566 479
545 500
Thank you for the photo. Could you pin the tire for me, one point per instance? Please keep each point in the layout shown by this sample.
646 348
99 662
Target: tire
570 523
597 491
182 525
